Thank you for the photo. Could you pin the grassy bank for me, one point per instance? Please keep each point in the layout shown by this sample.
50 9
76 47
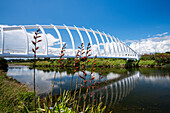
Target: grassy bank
153 60
99 63
20 63
108 63
12 93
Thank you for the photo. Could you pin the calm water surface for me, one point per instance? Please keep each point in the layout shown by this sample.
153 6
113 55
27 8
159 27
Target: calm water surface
131 91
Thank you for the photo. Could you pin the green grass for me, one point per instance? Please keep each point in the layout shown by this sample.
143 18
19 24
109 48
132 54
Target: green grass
20 63
43 63
12 93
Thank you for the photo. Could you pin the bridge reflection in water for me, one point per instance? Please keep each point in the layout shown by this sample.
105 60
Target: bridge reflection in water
112 93
117 87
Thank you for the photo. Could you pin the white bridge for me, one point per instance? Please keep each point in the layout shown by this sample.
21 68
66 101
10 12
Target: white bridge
15 42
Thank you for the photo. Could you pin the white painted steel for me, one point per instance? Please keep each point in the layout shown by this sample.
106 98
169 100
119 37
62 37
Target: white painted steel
72 40
113 47
88 35
27 40
81 37
103 42
2 35
117 46
121 47
110 52
117 49
98 45
125 48
59 35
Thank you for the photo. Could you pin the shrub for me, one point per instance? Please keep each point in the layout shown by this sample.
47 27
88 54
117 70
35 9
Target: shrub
147 63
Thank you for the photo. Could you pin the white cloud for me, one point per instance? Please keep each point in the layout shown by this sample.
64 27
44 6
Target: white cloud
3 25
149 35
151 45
52 41
162 34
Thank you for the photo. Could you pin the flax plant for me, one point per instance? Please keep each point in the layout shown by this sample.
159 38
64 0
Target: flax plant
66 103
80 65
81 50
76 68
91 77
36 36
61 65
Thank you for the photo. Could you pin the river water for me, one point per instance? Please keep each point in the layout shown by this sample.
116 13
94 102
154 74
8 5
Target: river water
145 90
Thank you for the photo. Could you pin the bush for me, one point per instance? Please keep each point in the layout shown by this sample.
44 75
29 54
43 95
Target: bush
149 63
3 64
160 58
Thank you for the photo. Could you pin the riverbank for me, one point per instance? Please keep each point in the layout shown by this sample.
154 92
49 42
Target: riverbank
20 63
99 63
147 60
20 97
12 93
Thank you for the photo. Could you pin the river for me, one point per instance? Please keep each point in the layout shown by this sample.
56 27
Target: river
145 90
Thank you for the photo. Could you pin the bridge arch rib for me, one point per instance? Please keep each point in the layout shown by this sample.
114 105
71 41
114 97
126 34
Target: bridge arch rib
27 40
2 38
112 49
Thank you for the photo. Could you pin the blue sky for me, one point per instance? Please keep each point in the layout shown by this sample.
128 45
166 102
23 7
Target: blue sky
125 19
